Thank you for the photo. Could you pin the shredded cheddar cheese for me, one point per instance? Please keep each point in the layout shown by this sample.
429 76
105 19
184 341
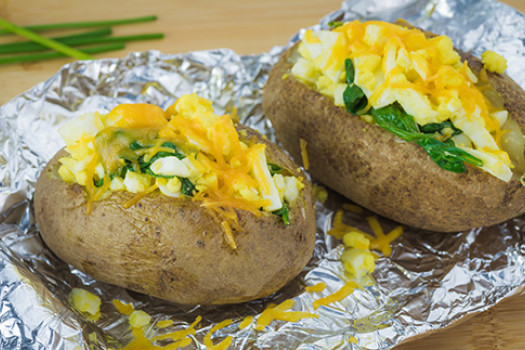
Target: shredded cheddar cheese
304 153
424 75
163 324
280 312
125 309
225 343
339 295
381 241
177 339
316 288
185 151
245 322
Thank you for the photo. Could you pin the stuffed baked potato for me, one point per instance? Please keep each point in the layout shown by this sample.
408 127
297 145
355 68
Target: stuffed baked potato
178 204
400 122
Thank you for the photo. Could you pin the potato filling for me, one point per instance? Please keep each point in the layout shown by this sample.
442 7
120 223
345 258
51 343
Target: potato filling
186 150
413 86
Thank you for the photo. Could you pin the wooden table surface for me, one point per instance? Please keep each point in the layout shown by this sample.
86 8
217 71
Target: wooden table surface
246 26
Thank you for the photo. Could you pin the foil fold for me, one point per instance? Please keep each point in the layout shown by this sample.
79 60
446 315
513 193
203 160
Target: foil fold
429 282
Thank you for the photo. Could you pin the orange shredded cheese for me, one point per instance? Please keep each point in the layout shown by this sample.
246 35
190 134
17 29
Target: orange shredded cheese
342 293
339 228
164 324
381 241
280 312
125 309
228 234
180 335
132 201
225 343
319 287
304 153
246 322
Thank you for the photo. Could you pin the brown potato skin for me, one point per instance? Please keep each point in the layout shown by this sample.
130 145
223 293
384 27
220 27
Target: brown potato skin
172 248
379 171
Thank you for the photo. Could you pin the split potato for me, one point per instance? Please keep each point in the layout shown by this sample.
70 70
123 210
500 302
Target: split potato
175 248
378 170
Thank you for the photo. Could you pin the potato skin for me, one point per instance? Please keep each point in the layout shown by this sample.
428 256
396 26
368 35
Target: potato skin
375 169
172 248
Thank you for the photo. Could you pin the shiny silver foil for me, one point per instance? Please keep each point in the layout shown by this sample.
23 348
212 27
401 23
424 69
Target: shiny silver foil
429 282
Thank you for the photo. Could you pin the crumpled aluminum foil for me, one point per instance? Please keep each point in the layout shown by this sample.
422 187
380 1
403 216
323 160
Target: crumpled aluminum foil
429 282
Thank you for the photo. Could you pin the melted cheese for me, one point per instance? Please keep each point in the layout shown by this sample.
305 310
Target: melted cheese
424 75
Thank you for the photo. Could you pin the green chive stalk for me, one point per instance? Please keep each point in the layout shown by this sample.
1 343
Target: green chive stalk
52 44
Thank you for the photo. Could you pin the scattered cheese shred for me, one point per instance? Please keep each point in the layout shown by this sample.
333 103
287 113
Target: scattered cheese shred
164 324
304 153
280 312
246 322
342 293
125 309
133 200
339 229
179 339
228 234
225 343
381 241
319 287
180 335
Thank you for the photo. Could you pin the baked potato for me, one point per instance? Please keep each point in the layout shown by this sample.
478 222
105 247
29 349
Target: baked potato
401 123
205 232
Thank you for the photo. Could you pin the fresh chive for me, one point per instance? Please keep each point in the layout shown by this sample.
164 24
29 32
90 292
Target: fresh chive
76 25
30 46
49 55
52 44
97 40
334 24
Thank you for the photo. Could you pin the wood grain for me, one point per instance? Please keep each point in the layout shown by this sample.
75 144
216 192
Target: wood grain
247 26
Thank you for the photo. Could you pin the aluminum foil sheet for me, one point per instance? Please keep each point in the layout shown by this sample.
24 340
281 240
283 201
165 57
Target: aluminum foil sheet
429 282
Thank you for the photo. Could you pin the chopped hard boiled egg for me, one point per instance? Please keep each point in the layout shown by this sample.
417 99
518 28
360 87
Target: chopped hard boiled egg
85 302
139 318
398 64
169 166
186 150
494 62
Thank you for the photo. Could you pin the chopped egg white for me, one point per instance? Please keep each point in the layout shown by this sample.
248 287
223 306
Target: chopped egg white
136 182
269 190
170 166
397 64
